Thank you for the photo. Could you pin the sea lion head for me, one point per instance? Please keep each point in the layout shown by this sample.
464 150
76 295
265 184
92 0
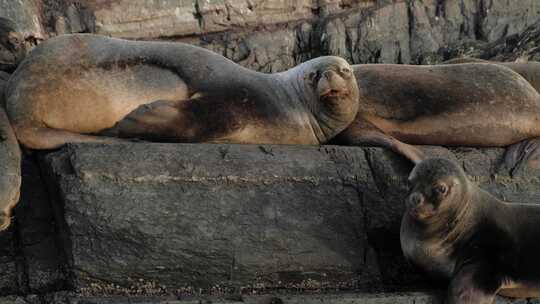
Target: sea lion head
12 47
436 186
330 92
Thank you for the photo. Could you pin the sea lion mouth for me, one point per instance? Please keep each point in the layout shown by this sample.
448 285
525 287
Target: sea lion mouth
418 214
334 93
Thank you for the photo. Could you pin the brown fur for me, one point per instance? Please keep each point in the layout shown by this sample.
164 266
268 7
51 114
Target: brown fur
76 88
529 70
455 230
479 105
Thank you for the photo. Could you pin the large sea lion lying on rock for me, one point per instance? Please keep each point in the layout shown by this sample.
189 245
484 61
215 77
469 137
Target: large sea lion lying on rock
454 229
480 105
72 86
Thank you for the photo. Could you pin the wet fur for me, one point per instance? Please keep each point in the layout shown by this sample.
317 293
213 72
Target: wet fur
482 245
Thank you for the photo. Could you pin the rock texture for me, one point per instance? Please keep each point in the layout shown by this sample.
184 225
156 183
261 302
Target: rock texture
249 217
273 35
208 215
358 298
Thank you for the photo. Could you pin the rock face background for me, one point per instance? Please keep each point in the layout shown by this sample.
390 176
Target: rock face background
160 220
273 35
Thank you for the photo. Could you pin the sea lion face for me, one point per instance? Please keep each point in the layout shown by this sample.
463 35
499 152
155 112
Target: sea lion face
330 80
436 185
12 47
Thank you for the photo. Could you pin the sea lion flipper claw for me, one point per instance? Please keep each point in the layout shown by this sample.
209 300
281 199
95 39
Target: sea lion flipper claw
520 155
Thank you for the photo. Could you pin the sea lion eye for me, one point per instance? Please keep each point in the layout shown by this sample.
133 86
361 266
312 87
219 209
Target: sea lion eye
314 76
13 39
346 71
441 189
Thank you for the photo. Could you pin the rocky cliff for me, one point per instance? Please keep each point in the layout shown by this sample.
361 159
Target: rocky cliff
273 35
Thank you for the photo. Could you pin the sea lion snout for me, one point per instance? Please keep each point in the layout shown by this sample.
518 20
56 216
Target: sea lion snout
332 84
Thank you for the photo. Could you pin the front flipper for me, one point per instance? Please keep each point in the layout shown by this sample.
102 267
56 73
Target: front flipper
361 133
473 284
204 118
522 154
155 121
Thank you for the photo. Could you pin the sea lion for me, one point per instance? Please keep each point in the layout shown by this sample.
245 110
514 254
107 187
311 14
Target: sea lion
455 230
72 87
12 47
479 105
529 70
10 165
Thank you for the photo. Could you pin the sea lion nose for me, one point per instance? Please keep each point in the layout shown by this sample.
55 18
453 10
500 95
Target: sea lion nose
415 199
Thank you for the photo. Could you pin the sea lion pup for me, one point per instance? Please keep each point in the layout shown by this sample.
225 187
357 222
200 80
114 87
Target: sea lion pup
12 47
73 86
529 70
479 105
456 230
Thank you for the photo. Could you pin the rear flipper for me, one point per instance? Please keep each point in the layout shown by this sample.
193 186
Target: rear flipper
365 134
43 138
521 155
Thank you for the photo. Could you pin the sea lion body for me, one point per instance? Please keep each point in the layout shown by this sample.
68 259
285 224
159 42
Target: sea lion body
479 105
72 87
529 70
10 165
456 230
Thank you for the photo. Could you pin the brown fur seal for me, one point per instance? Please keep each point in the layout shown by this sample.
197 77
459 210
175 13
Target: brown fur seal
529 70
480 105
456 230
72 86
12 47
10 165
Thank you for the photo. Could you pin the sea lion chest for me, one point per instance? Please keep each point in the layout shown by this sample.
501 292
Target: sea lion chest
428 254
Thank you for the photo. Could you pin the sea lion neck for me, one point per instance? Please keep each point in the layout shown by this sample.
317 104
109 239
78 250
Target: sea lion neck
300 97
452 223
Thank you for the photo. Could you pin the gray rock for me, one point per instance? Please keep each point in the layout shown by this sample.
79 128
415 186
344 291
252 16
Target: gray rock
43 263
340 298
246 216
205 215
